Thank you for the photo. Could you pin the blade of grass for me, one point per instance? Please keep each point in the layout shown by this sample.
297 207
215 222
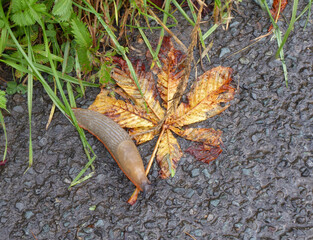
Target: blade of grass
13 63
118 47
145 39
277 33
290 27
68 108
70 95
177 5
5 136
66 55
166 10
30 79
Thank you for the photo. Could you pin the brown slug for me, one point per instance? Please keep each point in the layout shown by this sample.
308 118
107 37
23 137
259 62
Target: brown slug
118 143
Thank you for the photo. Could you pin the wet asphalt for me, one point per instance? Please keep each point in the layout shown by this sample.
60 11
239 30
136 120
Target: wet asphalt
260 187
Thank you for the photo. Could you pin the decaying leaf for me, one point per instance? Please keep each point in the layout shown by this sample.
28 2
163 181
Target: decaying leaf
277 8
146 117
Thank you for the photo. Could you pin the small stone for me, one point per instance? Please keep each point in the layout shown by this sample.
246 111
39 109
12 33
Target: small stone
254 137
99 223
43 142
244 61
300 220
150 224
20 206
190 193
206 173
246 171
18 109
179 190
198 233
215 202
46 228
224 51
210 217
66 224
168 202
195 172
29 214
129 228
305 172
309 162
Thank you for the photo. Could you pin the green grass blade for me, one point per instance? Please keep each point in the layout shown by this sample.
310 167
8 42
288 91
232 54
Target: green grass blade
66 55
290 27
70 95
30 79
5 136
277 33
42 68
181 10
119 48
210 31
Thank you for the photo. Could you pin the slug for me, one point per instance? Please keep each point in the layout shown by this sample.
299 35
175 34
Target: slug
117 142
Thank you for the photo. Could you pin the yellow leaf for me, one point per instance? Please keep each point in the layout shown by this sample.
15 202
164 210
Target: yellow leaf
124 79
210 95
142 135
168 155
125 114
205 135
170 76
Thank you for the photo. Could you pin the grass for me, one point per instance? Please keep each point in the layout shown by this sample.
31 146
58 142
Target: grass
43 38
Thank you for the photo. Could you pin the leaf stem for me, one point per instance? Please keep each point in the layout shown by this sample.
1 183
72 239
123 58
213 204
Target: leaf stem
132 200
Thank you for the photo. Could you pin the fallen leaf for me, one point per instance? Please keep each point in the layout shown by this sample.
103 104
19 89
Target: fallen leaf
277 8
146 117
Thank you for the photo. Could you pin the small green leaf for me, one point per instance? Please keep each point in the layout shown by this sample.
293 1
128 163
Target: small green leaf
11 87
81 34
21 88
93 207
3 100
63 9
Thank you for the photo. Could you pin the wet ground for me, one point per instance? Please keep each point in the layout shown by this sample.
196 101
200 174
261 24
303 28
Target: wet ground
259 188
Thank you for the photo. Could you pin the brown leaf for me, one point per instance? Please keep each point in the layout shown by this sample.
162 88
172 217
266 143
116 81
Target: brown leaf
204 153
125 114
170 76
205 135
210 95
277 10
124 79
168 155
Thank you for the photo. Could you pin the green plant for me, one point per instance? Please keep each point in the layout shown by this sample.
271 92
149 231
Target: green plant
3 102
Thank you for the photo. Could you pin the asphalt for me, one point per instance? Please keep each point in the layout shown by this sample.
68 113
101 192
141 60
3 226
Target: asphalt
260 187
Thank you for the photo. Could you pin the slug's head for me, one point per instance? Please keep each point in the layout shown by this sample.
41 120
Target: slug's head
147 189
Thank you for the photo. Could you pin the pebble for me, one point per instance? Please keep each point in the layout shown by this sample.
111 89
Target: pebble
99 223
189 193
215 202
18 109
206 173
150 224
198 233
195 172
20 206
43 142
224 51
309 162
29 214
244 61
